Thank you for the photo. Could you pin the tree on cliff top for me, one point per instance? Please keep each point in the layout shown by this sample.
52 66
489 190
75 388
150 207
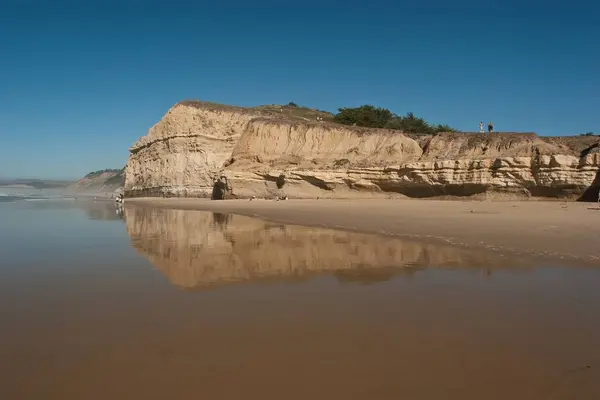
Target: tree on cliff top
367 115
377 117
443 128
410 123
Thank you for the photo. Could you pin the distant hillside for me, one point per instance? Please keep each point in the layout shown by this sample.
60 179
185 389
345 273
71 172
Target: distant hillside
106 180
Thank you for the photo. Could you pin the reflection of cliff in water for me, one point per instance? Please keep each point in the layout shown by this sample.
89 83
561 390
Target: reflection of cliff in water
197 249
102 210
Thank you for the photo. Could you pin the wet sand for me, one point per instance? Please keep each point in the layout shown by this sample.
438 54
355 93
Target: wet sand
199 249
152 303
565 232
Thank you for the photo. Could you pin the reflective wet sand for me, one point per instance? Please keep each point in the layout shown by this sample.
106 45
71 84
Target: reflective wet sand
187 304
200 249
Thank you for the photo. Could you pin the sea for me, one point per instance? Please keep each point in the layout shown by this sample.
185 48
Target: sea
10 194
107 301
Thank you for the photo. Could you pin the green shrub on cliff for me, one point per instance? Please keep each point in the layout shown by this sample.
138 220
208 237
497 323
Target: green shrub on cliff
443 128
367 115
377 117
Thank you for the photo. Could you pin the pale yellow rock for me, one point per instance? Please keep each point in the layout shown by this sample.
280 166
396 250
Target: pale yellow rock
273 141
184 151
195 142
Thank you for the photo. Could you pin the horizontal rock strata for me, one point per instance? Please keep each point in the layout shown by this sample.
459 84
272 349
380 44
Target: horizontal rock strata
195 143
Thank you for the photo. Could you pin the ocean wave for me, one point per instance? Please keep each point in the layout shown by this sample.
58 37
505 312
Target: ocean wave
9 199
48 198
12 196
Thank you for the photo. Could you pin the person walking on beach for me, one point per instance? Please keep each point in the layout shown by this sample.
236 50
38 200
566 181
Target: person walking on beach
481 127
491 127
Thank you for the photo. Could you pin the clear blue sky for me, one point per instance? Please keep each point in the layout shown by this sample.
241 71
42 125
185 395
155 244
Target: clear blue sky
81 81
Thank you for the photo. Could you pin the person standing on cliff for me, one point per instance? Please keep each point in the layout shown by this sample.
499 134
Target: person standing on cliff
481 127
491 127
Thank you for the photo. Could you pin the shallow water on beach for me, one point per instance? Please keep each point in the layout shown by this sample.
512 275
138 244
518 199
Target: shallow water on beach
99 302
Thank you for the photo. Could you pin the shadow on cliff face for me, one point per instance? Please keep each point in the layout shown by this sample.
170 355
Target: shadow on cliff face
591 193
195 249
426 191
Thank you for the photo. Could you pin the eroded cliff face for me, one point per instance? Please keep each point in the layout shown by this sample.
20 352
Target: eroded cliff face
196 249
196 142
184 151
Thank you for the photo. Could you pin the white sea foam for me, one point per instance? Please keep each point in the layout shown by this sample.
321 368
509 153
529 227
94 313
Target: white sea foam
11 194
49 199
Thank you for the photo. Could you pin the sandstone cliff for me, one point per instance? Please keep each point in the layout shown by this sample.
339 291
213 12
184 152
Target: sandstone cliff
195 249
196 142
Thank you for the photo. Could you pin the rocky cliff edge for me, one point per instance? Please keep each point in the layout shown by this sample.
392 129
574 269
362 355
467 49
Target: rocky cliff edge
267 151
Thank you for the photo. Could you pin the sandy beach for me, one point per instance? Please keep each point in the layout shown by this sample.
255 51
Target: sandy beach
564 232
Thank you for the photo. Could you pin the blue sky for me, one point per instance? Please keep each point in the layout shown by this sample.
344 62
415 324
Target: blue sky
81 81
